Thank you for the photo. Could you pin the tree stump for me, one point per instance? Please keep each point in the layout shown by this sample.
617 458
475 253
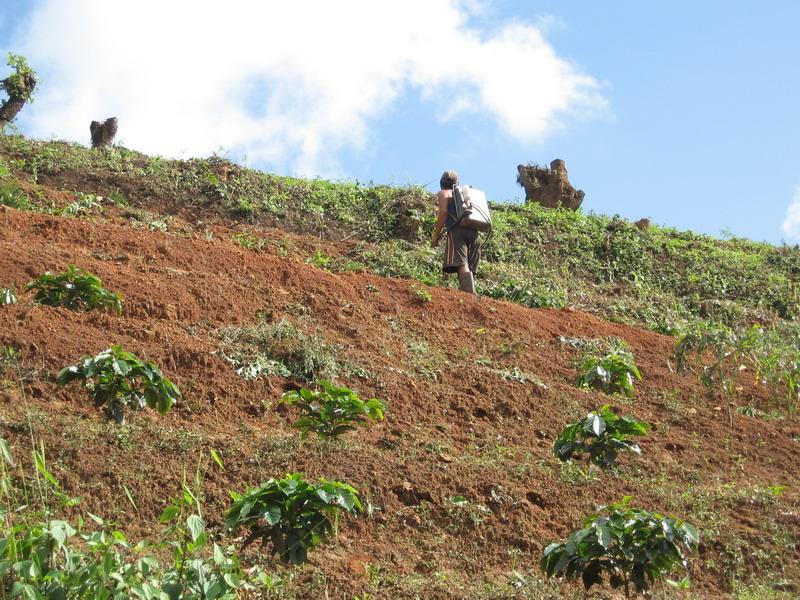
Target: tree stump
103 133
549 187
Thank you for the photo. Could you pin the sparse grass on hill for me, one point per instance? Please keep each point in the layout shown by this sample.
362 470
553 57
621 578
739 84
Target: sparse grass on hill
659 277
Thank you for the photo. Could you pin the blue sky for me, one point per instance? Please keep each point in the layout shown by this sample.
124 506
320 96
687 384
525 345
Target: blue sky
685 112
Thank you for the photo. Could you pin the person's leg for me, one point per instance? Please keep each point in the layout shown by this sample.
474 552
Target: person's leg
465 281
456 259
468 270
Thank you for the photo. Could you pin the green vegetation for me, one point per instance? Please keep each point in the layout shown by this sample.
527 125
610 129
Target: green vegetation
22 82
8 296
602 435
629 545
333 410
45 557
699 341
608 367
83 204
772 355
420 294
249 241
11 195
74 289
280 348
291 513
319 260
119 380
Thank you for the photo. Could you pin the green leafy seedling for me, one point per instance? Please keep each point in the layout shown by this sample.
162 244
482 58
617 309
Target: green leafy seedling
291 513
74 289
333 410
602 435
420 294
629 545
612 372
319 260
119 380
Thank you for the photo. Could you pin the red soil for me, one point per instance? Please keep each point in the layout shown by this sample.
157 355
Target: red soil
467 432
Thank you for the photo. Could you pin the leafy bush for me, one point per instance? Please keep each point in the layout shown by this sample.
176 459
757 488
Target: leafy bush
83 204
629 545
75 289
8 296
610 370
291 513
119 380
49 559
333 410
602 434
319 260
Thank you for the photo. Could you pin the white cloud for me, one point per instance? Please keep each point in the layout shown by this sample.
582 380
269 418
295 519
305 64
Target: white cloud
288 83
791 224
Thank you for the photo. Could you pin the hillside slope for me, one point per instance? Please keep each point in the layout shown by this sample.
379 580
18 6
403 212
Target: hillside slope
477 389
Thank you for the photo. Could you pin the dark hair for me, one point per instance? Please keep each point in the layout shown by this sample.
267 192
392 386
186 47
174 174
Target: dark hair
449 180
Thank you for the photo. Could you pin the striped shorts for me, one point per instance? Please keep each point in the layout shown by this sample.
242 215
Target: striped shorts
461 248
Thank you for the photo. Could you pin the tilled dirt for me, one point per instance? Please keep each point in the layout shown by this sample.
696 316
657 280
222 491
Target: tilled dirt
456 425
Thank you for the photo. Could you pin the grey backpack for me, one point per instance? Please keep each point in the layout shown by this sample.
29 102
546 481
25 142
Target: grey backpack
472 210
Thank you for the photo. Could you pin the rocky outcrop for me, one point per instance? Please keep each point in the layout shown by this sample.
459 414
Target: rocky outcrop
549 187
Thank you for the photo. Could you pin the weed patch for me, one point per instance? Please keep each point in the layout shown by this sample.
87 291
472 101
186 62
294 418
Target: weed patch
281 348
11 195
47 557
719 353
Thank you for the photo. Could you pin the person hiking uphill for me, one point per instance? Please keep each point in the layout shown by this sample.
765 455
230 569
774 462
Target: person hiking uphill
462 251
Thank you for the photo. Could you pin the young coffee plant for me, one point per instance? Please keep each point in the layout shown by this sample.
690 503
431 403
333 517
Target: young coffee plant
75 289
333 410
291 513
602 434
119 380
629 545
610 370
